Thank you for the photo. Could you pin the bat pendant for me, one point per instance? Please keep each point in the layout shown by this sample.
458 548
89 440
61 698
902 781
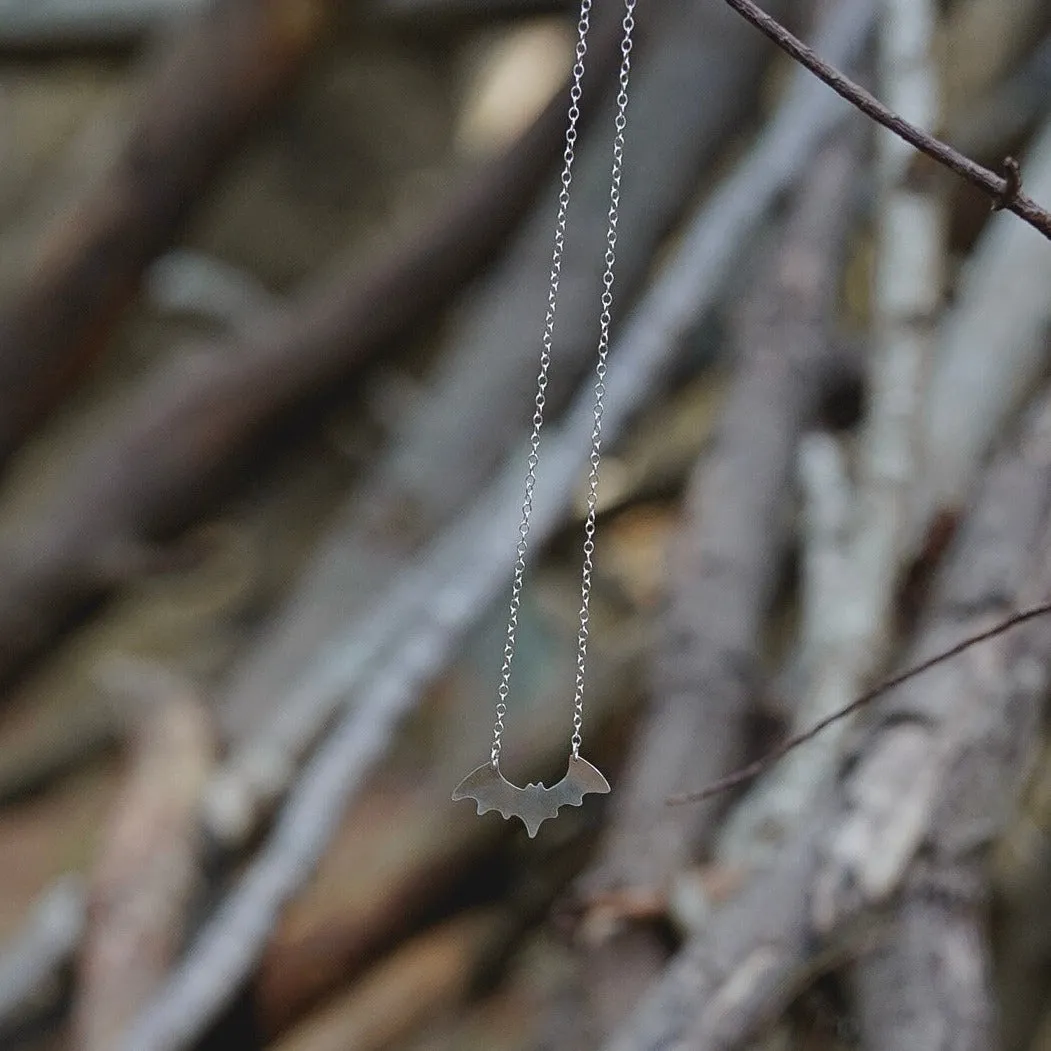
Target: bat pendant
533 804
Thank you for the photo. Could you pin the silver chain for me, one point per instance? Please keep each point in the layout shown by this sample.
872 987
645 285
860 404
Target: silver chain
620 124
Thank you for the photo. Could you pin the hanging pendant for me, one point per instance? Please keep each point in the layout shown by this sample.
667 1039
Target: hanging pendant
534 804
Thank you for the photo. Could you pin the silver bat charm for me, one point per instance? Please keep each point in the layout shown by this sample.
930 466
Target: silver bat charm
533 804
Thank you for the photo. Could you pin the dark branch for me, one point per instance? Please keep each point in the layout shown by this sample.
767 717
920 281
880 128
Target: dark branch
219 74
754 769
1005 192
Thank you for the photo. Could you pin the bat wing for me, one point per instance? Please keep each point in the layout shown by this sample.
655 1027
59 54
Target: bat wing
581 778
490 790
533 804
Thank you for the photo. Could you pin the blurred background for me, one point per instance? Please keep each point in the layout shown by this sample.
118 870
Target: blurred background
273 276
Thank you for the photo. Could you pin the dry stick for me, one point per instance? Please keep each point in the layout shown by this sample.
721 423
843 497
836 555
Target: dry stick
754 769
32 964
425 978
149 869
1005 192
908 286
448 15
1020 876
924 792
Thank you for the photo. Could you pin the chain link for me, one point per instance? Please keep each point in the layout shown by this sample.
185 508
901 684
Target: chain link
583 25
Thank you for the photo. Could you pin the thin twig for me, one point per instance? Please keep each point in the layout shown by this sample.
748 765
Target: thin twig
754 769
1003 191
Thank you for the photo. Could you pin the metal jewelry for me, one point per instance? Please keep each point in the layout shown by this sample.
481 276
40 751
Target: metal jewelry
486 785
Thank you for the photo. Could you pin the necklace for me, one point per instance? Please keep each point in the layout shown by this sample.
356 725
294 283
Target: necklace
535 803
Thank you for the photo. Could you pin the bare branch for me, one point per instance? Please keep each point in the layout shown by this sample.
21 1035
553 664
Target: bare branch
932 961
909 283
761 822
85 22
1002 190
149 869
222 69
1005 269
434 971
724 567
753 770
